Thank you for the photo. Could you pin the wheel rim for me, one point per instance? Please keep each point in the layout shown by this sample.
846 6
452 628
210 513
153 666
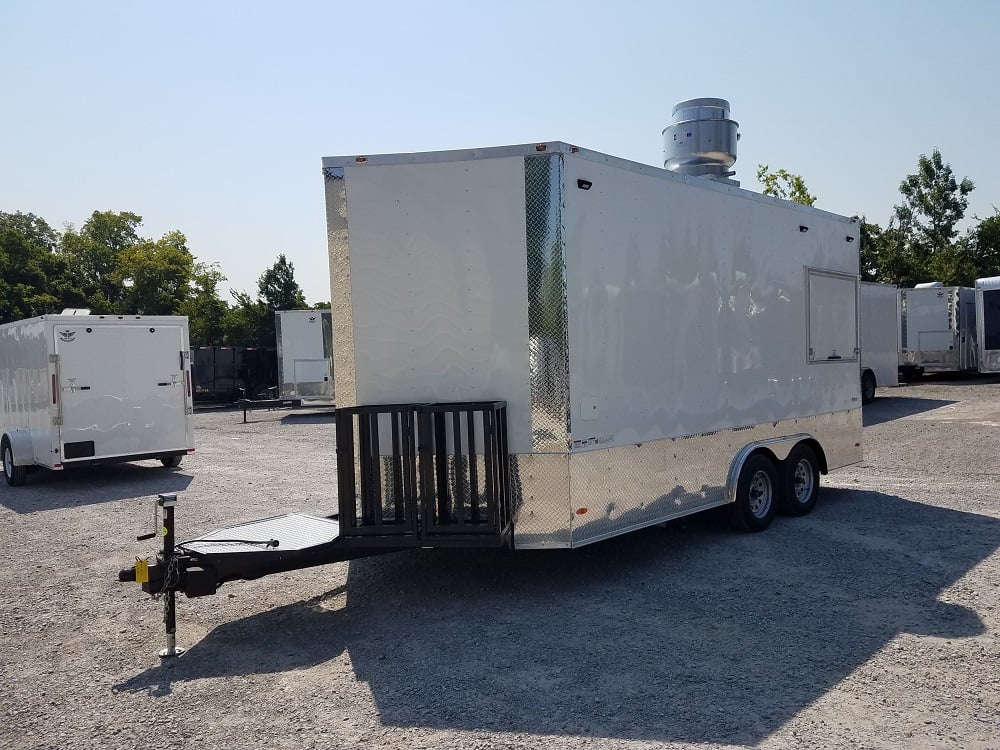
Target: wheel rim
760 492
802 481
8 462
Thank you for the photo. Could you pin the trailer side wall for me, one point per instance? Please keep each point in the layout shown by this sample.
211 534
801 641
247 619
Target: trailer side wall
26 387
880 345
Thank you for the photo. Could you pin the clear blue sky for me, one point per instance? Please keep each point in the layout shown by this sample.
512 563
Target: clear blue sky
212 117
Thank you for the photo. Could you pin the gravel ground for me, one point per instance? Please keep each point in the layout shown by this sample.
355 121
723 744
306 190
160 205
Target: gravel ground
871 623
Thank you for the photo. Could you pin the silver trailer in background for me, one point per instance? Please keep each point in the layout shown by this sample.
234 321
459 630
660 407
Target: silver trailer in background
938 329
880 338
305 362
89 389
988 323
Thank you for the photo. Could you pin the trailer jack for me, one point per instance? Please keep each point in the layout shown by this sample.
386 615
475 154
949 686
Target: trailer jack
160 579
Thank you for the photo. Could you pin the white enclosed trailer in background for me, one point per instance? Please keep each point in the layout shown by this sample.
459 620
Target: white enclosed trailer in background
305 359
86 389
988 324
938 329
880 339
663 343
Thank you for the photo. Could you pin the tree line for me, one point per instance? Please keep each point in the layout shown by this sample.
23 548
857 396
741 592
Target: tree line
106 266
921 242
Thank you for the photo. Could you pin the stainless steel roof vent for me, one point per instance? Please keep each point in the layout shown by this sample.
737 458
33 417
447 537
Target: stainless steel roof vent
701 141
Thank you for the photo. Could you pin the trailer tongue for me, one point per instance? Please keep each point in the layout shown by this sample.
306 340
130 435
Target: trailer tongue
409 475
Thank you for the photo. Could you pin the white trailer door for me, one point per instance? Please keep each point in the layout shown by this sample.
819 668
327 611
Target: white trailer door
121 390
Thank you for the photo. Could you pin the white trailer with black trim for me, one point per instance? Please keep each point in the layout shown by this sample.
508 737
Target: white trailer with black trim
988 324
938 325
880 338
87 389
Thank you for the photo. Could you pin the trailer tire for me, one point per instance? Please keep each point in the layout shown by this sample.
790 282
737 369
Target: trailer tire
867 387
14 475
801 481
757 494
171 462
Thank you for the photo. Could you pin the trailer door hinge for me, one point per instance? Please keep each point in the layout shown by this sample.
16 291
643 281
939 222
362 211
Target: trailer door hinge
53 359
57 421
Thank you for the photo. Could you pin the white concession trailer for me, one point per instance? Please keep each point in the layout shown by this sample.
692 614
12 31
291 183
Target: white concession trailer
988 324
880 338
938 329
86 389
541 346
661 343
305 359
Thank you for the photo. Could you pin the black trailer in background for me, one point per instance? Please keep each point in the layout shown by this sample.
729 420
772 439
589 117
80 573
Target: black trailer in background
231 373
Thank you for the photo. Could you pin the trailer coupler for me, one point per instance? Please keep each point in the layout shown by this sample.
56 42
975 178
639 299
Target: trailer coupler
245 551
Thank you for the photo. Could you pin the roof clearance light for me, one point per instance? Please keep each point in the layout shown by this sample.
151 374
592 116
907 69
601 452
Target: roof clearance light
540 147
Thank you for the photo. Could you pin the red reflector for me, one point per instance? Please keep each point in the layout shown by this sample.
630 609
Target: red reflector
540 147
361 159
56 466
54 391
190 450
575 150
581 511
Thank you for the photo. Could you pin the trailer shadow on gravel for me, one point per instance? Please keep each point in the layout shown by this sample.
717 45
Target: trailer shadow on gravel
693 634
888 408
52 490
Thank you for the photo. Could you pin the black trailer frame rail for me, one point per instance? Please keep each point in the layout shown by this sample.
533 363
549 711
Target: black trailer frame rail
426 475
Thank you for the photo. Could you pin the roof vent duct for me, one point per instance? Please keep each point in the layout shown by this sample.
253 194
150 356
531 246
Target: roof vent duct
701 141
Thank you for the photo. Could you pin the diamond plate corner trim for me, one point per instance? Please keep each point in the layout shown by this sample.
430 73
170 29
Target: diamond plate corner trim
548 339
540 489
344 380
634 486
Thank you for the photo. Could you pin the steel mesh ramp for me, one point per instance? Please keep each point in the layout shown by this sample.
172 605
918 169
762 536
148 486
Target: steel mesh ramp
292 532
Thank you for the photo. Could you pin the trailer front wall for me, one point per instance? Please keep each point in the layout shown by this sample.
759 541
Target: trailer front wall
26 388
437 298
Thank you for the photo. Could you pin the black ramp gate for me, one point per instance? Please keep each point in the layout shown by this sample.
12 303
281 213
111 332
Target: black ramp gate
424 474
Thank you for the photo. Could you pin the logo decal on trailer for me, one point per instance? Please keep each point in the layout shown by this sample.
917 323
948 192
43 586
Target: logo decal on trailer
67 335
312 318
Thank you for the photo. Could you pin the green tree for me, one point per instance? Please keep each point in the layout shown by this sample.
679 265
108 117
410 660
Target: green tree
934 202
247 322
93 254
205 311
155 277
279 289
33 228
782 184
983 245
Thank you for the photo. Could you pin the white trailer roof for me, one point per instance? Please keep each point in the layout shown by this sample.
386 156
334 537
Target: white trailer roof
557 147
990 282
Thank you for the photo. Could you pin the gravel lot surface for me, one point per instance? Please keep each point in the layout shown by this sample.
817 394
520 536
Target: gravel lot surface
871 623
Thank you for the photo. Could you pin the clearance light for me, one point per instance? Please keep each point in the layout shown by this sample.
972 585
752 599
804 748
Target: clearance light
581 511
540 147
361 159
